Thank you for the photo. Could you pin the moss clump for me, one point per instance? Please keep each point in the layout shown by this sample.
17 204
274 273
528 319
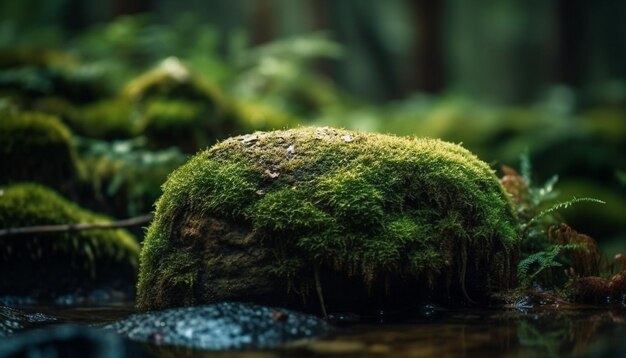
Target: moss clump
180 108
172 79
35 147
260 215
51 264
106 119
174 122
111 118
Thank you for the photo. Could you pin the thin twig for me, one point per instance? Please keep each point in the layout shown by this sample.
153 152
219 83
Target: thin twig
49 229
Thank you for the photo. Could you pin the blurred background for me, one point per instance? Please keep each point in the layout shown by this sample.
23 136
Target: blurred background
136 87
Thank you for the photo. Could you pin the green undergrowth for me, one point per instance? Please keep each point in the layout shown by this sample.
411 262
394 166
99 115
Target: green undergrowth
544 255
364 205
48 264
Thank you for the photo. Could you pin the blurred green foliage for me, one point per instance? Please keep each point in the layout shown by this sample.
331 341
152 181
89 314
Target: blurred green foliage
186 83
125 176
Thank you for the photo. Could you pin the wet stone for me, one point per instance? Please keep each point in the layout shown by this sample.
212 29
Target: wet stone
221 326
13 320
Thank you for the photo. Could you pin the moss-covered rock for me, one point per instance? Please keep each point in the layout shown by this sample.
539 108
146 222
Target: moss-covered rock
47 265
377 219
178 107
181 108
111 118
36 147
175 122
172 79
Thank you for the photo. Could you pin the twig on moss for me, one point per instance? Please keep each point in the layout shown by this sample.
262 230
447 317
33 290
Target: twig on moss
49 229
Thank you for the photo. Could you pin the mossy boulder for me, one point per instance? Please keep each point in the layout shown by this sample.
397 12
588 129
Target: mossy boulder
36 147
178 107
173 79
375 219
48 265
175 122
110 118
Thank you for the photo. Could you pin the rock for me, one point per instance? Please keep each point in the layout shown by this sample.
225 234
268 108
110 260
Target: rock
617 285
179 107
376 220
53 264
13 320
36 147
590 290
68 341
221 326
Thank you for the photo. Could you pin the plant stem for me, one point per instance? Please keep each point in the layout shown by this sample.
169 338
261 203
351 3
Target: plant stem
49 229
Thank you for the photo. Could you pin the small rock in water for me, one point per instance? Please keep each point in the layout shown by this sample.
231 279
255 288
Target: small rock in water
221 326
12 320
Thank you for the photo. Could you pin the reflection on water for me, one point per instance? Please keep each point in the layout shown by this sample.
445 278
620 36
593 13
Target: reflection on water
486 333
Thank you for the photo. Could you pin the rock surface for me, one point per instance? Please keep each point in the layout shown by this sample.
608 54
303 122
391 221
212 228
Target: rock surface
13 320
275 217
221 327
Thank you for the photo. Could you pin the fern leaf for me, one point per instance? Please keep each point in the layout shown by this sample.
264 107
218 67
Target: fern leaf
564 205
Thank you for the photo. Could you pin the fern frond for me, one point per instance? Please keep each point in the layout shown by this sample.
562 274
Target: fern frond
543 260
563 205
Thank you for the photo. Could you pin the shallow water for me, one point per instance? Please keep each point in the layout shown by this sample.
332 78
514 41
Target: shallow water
463 333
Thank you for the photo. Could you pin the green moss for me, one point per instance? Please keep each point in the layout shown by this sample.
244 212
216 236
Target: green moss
359 204
174 122
52 264
113 118
106 119
35 147
181 108
172 79
178 107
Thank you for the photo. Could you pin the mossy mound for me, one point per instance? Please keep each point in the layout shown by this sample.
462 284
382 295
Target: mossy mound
378 219
111 118
35 147
176 122
47 265
178 107
172 79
